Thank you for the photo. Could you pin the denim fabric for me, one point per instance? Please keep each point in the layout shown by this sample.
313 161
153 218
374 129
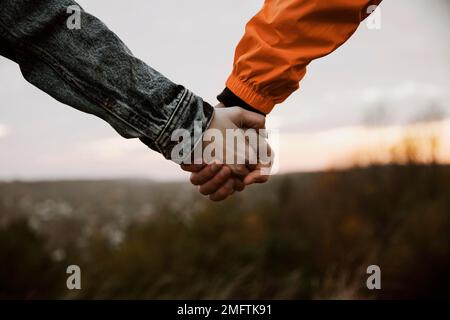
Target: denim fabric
92 70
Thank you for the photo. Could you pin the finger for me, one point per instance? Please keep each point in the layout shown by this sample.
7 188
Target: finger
192 167
239 185
255 177
247 119
214 184
206 174
225 191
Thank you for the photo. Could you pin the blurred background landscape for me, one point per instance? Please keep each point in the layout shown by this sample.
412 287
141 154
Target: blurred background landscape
364 172
301 236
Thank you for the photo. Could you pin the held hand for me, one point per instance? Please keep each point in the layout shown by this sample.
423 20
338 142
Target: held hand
214 180
220 181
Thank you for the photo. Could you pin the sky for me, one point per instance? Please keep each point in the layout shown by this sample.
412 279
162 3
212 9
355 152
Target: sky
401 71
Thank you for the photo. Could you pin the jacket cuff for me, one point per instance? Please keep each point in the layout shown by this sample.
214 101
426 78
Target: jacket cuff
248 94
191 114
229 99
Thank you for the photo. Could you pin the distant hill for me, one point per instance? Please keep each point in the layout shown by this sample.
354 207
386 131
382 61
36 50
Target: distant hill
307 235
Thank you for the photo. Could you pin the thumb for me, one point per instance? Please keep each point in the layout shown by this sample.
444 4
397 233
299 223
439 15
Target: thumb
247 119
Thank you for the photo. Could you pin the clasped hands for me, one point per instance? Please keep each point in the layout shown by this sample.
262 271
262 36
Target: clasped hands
242 158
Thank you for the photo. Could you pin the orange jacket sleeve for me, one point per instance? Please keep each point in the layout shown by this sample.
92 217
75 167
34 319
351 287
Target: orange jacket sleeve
282 39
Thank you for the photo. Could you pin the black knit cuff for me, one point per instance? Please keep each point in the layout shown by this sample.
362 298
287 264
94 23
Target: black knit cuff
229 99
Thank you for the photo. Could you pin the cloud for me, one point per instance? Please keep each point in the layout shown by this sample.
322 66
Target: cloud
409 90
112 148
399 104
346 146
114 157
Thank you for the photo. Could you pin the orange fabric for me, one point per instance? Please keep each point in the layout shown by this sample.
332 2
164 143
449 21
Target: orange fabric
282 39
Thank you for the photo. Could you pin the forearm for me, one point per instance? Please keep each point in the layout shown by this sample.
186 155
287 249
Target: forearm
92 70
280 42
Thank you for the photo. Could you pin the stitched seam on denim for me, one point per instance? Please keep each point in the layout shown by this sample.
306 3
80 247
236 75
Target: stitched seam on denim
185 98
77 84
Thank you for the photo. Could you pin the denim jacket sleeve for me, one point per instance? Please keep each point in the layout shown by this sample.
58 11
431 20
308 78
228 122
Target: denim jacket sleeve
92 70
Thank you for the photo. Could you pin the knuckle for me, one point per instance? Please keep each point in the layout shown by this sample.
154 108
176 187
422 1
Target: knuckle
225 172
239 169
204 191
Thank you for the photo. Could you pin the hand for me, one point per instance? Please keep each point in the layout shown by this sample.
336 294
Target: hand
220 181
215 180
